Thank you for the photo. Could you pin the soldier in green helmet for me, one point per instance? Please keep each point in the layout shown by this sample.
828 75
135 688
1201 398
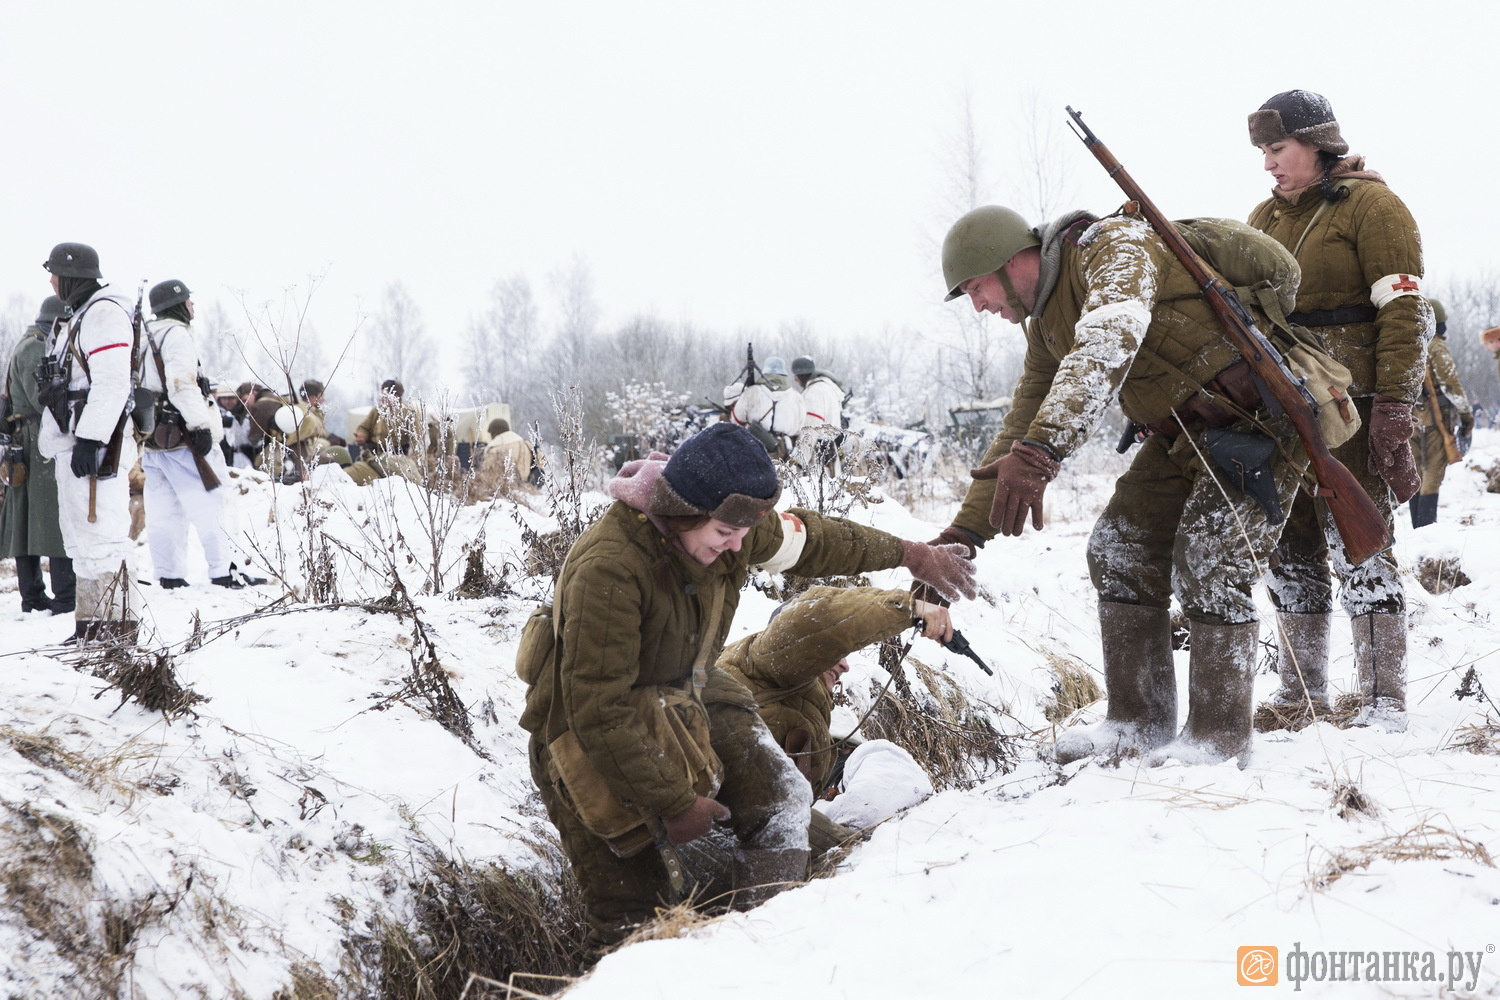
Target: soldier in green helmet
1107 310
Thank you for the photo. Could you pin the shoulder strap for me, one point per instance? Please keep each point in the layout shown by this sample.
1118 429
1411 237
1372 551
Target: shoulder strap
1338 185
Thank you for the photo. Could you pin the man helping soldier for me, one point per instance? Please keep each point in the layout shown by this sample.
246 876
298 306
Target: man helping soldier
1106 309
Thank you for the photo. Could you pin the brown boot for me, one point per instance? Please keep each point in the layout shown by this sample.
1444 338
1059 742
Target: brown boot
1380 656
1140 682
1302 662
1221 682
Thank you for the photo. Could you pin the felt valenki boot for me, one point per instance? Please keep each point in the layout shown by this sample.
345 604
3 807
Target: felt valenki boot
1140 683
1302 662
1221 681
1380 657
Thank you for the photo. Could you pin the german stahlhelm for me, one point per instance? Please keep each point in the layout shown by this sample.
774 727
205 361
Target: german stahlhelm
73 260
803 365
166 294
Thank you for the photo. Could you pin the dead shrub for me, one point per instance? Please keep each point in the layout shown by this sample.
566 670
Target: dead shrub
951 737
489 923
1441 575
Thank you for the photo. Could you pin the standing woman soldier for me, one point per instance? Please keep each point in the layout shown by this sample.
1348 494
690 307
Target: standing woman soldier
1361 258
633 701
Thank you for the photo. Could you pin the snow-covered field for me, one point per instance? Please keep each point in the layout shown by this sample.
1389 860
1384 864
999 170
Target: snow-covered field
228 852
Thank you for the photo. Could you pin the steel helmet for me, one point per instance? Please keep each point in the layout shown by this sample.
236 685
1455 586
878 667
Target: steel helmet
774 366
167 294
52 310
335 455
803 365
73 260
981 242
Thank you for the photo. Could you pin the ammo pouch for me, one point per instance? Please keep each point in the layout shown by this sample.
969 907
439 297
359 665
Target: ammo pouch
13 467
1245 459
169 430
143 410
677 722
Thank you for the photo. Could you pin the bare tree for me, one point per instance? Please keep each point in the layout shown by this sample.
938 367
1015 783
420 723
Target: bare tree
501 340
19 314
1041 177
397 345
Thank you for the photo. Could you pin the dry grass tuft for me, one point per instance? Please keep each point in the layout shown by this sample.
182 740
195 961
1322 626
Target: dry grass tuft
952 737
1481 737
672 922
1422 842
1350 802
1073 686
485 923
146 677
1441 575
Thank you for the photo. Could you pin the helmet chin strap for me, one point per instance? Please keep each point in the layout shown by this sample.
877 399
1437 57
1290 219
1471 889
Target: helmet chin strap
1011 298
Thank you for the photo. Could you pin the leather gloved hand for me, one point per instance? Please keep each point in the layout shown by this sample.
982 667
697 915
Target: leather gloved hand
1020 479
951 535
86 457
696 821
1390 447
946 568
201 442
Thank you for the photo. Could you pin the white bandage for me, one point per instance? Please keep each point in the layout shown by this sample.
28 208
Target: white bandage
1393 286
793 541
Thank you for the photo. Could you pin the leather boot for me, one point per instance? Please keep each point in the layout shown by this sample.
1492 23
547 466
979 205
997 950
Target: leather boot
30 584
1302 662
760 873
64 584
1423 509
1140 683
1221 683
1380 656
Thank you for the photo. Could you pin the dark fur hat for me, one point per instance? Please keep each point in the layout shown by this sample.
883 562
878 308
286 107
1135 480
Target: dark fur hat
721 472
1298 114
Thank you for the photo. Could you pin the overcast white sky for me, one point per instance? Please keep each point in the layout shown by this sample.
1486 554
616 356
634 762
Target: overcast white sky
739 166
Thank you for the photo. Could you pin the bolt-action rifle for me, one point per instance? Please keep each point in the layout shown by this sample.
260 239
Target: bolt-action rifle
1435 409
1355 515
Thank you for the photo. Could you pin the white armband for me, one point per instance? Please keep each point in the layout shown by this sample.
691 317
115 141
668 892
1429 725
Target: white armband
1393 286
793 541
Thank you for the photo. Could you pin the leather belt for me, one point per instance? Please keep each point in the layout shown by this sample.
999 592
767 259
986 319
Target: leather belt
1335 317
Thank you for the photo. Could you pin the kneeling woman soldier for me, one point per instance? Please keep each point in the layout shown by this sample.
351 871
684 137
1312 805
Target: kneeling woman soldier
637 736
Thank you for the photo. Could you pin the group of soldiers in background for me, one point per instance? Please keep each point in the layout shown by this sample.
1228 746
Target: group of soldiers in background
96 395
777 408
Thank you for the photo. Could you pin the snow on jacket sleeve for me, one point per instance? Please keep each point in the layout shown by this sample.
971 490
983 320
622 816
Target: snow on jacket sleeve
1121 275
818 629
105 336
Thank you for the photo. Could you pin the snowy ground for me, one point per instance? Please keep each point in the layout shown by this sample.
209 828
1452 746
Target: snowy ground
218 853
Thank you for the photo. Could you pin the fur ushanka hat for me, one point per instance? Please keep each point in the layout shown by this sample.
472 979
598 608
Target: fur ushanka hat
1298 114
721 472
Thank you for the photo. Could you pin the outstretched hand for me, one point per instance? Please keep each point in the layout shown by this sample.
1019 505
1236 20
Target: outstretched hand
1020 479
946 568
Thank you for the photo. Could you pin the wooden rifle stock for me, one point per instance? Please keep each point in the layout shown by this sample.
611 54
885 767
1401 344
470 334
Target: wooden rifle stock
1359 522
1450 446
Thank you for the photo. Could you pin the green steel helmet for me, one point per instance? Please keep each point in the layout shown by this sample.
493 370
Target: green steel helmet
1439 314
803 365
53 309
335 455
167 294
73 260
981 243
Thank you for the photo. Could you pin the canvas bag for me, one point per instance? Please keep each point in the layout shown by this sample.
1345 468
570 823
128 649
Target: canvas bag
675 720
1263 272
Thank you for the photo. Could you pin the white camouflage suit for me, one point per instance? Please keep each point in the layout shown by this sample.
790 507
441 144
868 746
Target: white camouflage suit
100 354
175 495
